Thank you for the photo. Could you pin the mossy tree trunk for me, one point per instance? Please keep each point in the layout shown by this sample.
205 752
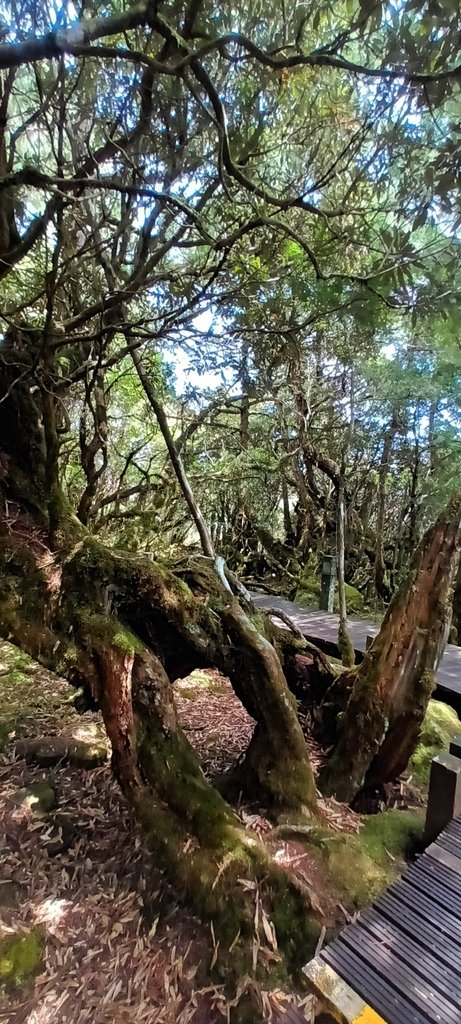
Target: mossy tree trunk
208 628
275 768
380 705
188 825
192 831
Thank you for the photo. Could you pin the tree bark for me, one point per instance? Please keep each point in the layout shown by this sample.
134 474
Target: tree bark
381 580
382 703
275 765
345 645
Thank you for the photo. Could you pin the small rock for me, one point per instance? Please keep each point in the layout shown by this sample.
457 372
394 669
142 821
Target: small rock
88 755
88 745
9 894
45 751
60 836
39 796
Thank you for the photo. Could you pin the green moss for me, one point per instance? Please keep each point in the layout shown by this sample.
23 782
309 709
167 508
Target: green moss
20 958
440 725
297 929
22 696
308 594
354 599
24 586
362 866
38 796
395 833
193 686
259 622
107 631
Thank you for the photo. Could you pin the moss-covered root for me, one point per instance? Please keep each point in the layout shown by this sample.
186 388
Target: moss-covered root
260 918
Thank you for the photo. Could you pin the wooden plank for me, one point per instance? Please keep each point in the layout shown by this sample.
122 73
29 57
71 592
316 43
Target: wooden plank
410 919
435 887
441 856
454 826
410 926
375 990
429 965
428 908
449 843
440 874
403 955
412 986
453 831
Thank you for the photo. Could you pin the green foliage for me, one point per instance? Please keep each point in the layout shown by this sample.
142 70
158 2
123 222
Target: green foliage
316 241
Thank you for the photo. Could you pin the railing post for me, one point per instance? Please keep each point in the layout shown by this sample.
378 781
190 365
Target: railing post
327 583
444 801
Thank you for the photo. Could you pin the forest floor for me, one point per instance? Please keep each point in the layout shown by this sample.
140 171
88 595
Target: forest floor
100 937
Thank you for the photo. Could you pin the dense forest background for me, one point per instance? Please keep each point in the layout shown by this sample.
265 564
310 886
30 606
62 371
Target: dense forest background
282 256
229 255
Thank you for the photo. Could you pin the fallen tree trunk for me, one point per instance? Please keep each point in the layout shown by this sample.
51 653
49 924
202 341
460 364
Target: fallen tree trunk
381 704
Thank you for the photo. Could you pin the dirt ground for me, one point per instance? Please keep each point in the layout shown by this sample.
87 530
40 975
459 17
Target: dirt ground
79 877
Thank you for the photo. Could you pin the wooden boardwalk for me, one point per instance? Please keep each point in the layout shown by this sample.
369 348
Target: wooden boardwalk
321 628
403 955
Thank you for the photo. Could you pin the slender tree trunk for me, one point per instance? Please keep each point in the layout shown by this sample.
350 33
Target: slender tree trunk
264 690
345 645
275 764
381 580
287 524
457 607
384 700
245 422
176 460
431 439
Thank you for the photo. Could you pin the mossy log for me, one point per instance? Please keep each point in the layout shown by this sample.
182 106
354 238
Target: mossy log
379 706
